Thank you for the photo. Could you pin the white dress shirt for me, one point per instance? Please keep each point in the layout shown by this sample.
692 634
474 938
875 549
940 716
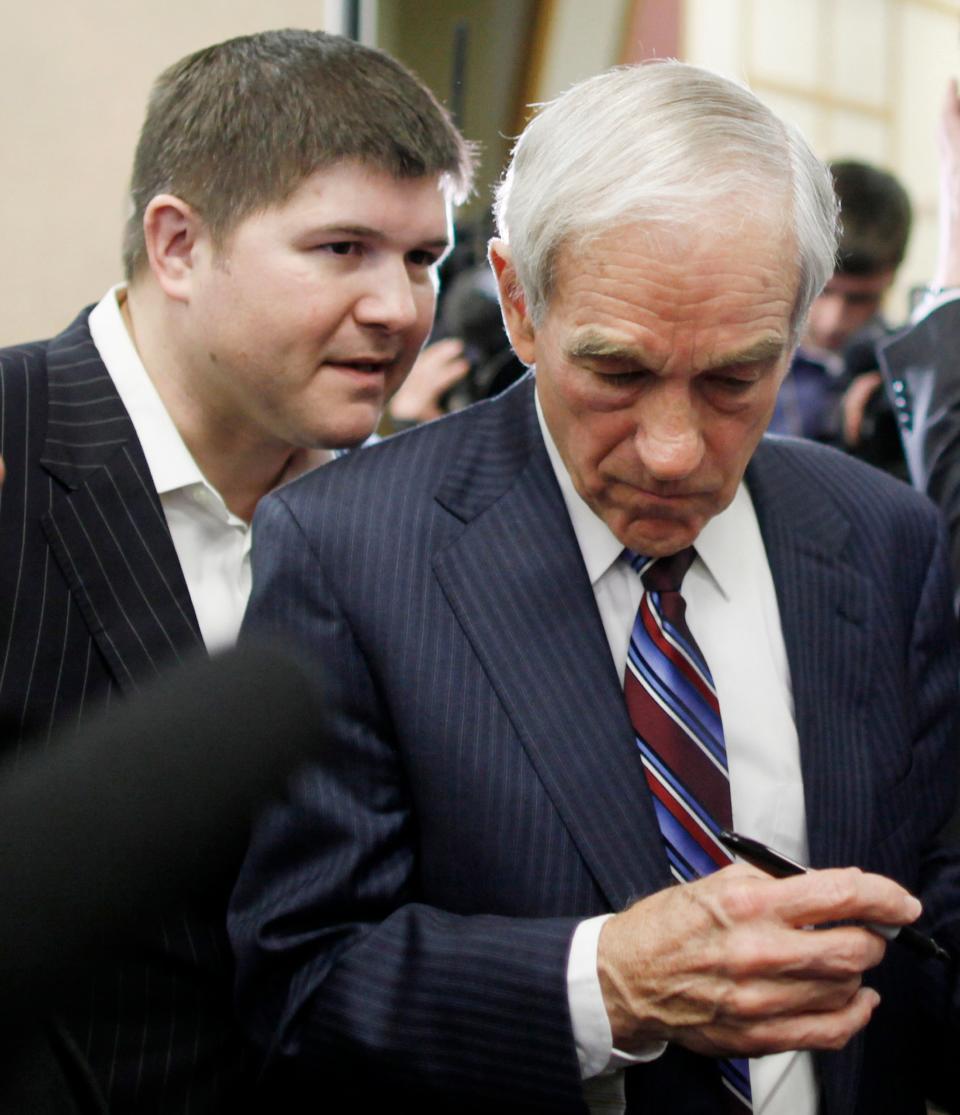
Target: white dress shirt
212 543
733 615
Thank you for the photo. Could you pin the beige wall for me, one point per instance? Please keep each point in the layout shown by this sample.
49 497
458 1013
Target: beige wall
74 78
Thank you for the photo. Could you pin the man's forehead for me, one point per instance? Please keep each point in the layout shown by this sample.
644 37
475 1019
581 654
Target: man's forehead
362 199
742 240
874 283
631 291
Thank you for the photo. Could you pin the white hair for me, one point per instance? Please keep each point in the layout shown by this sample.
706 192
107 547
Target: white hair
660 143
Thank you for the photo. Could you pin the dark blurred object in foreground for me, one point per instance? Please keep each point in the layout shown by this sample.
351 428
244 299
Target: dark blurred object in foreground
148 805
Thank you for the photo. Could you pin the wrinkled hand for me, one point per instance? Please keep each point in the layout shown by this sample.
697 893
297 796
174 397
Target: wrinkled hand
948 262
437 369
725 965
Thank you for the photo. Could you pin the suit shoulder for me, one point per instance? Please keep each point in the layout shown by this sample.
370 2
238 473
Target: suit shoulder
23 365
416 461
20 362
879 508
24 398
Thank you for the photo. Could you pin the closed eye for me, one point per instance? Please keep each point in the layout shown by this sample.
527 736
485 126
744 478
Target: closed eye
733 384
622 379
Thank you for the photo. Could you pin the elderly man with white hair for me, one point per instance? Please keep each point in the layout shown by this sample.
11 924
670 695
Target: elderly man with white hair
576 633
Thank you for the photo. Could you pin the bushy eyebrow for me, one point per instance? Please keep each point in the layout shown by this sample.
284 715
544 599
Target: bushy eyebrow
591 345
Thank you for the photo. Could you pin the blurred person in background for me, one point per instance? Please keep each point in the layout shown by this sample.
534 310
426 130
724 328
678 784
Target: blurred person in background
469 358
832 391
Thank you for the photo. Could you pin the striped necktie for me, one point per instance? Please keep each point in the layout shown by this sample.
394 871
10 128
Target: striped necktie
676 719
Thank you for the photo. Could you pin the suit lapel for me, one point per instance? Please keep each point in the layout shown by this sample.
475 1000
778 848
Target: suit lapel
827 610
105 524
516 581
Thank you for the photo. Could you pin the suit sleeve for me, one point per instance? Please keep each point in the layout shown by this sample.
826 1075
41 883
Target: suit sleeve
343 967
921 369
933 680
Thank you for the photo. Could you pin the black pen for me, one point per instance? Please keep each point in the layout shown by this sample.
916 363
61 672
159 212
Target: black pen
781 866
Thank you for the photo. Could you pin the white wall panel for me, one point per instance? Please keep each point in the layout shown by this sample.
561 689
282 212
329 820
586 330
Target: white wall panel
784 40
855 135
929 57
855 43
584 39
714 35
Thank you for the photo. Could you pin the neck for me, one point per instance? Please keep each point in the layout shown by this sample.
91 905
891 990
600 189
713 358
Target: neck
239 459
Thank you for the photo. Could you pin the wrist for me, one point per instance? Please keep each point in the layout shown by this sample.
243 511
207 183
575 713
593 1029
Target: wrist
631 1027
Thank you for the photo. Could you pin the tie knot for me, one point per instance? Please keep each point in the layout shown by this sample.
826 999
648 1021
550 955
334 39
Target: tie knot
663 574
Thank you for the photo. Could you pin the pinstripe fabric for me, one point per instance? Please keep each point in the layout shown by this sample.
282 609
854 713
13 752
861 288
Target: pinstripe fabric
93 604
401 925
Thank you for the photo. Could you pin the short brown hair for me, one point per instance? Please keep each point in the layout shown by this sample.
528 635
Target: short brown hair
875 217
236 127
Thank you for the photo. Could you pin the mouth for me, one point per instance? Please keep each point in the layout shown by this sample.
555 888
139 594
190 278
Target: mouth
668 496
664 494
363 367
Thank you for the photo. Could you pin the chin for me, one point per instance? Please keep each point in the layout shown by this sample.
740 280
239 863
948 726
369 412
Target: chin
350 434
653 540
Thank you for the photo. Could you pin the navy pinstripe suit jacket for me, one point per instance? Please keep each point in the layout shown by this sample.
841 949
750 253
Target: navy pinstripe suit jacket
92 605
402 924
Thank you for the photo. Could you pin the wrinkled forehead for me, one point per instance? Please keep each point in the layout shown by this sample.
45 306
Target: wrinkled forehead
734 238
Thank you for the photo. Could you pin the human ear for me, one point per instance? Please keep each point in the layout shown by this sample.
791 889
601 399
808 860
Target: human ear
172 231
513 303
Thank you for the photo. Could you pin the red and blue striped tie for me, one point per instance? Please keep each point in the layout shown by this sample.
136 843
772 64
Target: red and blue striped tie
676 718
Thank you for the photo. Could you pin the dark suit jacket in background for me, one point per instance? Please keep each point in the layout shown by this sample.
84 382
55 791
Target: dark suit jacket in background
402 926
92 605
921 369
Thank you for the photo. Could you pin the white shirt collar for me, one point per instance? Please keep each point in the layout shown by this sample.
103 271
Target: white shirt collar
171 464
717 543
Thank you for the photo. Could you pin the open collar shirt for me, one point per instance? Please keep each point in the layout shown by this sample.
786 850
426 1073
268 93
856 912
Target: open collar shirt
212 543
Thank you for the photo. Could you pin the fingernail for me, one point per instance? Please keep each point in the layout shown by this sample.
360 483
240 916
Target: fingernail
912 908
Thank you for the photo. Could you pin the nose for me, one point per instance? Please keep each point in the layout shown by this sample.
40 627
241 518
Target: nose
389 300
668 438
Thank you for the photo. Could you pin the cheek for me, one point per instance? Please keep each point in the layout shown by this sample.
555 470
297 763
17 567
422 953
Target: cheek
730 446
597 442
602 445
425 299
